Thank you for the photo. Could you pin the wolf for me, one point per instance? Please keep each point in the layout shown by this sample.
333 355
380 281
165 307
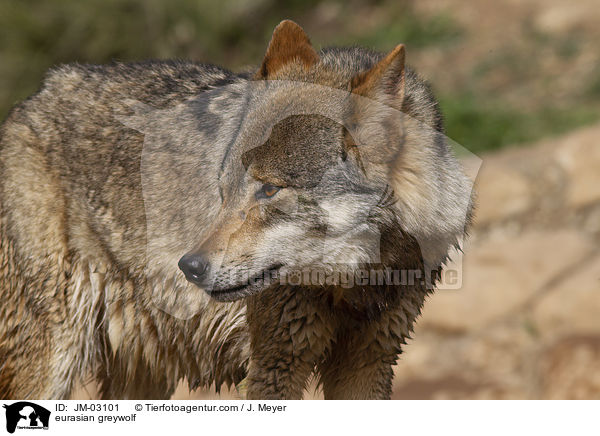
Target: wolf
170 220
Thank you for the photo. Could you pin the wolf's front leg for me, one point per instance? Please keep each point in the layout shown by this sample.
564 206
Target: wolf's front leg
289 331
366 380
359 365
277 380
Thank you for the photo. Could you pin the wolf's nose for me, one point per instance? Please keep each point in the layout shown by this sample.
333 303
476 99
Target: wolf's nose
195 267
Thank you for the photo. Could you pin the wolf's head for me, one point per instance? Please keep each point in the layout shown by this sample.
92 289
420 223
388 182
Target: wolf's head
339 163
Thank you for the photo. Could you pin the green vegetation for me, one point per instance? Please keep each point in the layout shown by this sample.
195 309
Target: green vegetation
402 24
487 125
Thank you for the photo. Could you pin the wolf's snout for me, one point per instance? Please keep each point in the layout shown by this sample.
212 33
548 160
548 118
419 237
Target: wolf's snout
195 267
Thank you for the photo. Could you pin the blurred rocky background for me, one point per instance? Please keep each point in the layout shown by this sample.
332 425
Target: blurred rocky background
519 84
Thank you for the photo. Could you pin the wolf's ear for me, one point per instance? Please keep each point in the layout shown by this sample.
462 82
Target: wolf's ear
376 121
386 78
289 43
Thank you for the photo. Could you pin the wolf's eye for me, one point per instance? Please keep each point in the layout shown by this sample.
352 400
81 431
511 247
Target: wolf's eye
267 191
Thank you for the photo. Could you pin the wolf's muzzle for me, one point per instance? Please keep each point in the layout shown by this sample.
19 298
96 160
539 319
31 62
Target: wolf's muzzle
195 267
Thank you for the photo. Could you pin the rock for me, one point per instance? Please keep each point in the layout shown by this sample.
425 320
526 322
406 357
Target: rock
560 18
501 193
573 306
477 364
579 155
500 275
